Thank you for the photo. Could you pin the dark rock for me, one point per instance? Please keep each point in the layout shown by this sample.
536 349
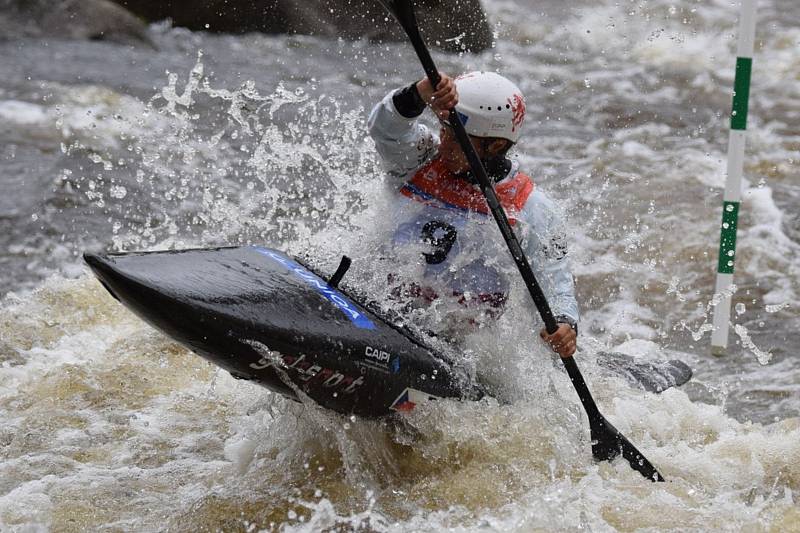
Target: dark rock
453 25
70 19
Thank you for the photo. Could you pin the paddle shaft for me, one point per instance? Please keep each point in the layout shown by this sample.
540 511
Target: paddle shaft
608 441
514 247
488 191
500 217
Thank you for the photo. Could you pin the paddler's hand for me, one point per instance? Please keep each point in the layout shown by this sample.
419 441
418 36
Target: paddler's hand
563 340
441 100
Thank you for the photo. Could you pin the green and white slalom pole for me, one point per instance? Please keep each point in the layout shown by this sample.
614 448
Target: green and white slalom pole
733 186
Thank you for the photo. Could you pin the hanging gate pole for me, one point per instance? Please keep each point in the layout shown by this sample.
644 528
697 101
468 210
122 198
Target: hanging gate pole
724 287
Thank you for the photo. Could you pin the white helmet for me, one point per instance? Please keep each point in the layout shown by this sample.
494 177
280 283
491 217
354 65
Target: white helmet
490 105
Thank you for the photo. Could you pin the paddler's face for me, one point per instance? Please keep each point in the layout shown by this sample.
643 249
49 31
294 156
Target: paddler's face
451 154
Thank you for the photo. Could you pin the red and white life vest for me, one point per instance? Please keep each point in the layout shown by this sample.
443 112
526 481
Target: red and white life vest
434 184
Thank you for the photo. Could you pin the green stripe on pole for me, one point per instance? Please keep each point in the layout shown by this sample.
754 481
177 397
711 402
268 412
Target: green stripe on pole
741 93
727 239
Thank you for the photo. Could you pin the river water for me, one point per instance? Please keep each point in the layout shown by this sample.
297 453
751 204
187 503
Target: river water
105 424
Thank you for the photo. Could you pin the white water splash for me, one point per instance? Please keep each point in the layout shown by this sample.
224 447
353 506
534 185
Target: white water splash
763 357
777 307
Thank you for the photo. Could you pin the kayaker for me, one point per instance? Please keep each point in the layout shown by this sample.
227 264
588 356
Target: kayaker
444 215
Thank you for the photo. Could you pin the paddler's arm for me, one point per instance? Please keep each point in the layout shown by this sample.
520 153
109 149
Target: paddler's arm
546 246
402 142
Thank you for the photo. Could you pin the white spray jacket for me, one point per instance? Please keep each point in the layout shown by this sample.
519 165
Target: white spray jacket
477 261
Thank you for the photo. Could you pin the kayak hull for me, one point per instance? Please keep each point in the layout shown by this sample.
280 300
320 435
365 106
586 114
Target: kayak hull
263 316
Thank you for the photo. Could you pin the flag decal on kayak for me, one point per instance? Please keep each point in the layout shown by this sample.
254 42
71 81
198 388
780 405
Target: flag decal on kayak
329 293
409 399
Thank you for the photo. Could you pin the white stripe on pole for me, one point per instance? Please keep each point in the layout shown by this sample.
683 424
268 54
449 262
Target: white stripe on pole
733 185
722 311
747 29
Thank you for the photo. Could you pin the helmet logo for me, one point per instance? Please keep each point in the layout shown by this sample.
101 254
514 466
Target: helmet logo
518 109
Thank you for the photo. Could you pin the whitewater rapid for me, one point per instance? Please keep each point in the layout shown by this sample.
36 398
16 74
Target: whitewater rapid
106 424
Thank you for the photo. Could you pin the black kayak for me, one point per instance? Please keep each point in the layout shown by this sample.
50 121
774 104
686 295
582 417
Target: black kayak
263 316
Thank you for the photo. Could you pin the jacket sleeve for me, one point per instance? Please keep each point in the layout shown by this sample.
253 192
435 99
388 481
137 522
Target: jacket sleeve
403 143
546 248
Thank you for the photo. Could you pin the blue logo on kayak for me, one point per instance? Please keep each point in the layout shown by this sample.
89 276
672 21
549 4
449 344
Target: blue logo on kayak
330 294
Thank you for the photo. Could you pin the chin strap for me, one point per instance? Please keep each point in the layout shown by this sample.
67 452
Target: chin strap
497 167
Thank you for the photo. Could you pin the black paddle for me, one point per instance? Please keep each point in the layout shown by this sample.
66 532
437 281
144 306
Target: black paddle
607 441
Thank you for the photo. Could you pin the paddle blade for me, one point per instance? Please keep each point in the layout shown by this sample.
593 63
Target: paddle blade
608 443
652 376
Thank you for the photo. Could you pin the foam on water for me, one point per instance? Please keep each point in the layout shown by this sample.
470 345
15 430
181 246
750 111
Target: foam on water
110 418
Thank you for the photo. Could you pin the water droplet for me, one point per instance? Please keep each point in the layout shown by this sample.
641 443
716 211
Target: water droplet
118 191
